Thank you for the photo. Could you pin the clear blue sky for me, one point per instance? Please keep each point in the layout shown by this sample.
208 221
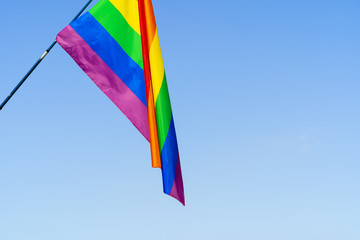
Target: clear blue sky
265 96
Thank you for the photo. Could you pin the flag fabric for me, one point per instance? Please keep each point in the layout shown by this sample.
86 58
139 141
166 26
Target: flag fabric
117 45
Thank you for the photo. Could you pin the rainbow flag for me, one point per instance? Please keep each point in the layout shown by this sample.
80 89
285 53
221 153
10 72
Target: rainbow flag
117 45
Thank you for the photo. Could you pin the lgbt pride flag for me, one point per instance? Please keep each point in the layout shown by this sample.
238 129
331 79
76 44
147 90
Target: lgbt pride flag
117 45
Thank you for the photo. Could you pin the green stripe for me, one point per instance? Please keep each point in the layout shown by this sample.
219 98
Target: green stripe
116 25
163 112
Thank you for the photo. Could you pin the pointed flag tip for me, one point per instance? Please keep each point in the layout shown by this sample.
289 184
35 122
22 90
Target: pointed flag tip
177 190
180 199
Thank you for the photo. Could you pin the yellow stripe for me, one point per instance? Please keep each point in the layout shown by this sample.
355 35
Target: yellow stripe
156 65
129 9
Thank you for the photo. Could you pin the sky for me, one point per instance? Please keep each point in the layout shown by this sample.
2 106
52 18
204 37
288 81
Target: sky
265 96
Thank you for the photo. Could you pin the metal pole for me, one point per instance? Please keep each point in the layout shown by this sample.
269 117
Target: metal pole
39 61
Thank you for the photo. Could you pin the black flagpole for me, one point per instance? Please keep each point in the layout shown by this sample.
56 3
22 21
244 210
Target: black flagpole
39 61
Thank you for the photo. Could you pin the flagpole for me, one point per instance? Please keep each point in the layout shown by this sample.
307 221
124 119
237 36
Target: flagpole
39 61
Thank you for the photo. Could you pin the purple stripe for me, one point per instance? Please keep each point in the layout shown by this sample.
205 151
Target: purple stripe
105 78
177 190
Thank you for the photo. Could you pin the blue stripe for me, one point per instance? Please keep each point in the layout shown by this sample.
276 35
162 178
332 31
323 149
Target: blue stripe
111 53
169 158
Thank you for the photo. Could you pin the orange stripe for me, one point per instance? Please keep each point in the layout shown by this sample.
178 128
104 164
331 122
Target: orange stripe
154 140
150 21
